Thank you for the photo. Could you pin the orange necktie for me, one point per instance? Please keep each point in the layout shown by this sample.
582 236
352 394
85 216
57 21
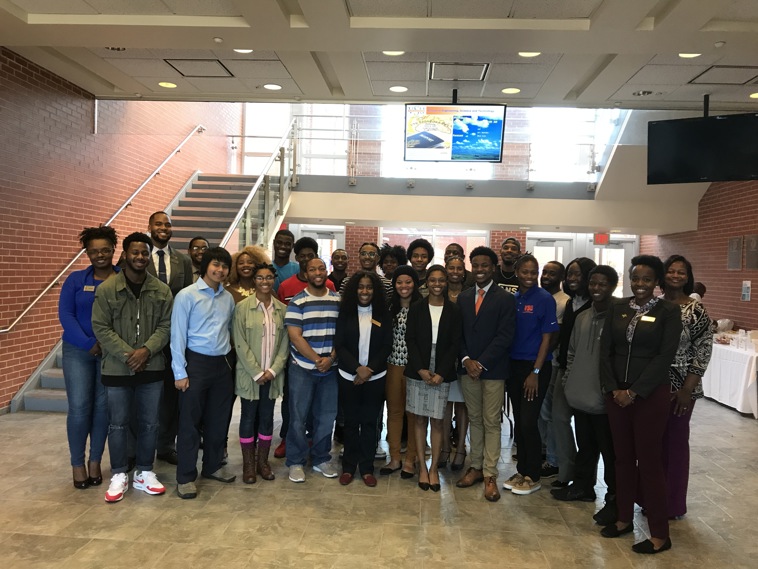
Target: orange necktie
479 300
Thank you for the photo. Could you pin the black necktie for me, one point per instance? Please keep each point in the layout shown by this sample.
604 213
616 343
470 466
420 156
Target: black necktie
162 267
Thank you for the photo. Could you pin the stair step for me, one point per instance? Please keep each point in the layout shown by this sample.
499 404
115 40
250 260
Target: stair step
212 194
216 202
185 221
216 187
52 379
46 400
200 210
59 359
236 178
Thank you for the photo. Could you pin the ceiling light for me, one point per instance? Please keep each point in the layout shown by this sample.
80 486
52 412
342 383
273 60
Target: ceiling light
116 48
511 91
218 40
398 89
754 95
244 50
525 227
689 55
272 87
167 85
393 53
529 53
719 44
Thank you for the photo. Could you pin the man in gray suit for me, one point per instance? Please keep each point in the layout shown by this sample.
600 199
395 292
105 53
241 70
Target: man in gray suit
174 269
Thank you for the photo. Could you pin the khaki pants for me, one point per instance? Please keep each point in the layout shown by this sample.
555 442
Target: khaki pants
484 400
395 396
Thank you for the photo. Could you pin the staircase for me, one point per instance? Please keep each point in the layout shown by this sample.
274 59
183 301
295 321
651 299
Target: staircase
50 394
209 207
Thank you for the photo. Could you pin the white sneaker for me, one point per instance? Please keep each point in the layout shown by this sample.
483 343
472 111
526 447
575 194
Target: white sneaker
380 452
526 487
118 487
297 474
148 483
327 469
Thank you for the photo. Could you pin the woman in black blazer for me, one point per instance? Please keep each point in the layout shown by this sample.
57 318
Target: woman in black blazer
363 341
638 345
433 335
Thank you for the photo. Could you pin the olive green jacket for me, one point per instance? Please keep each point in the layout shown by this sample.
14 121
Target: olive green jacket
248 334
123 323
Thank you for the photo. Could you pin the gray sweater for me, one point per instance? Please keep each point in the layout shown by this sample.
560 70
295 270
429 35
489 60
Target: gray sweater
582 378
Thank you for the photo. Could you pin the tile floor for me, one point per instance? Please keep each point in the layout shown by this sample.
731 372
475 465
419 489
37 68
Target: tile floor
45 522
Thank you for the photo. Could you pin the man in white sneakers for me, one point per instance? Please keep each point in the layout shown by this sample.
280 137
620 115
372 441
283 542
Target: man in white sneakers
131 318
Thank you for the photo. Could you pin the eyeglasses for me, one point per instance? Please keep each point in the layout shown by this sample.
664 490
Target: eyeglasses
93 252
200 248
266 278
369 254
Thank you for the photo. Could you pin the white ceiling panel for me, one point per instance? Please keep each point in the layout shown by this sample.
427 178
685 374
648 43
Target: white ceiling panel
55 6
626 93
202 7
257 69
720 75
145 68
666 74
554 9
182 86
218 84
738 11
183 53
289 87
494 91
442 91
694 93
388 8
261 55
134 7
674 59
542 59
199 67
471 8
415 89
408 56
520 73
379 71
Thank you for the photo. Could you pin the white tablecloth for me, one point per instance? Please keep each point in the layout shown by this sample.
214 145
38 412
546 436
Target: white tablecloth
731 379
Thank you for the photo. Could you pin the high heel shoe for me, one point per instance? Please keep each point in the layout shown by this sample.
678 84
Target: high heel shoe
80 484
455 466
424 486
442 463
97 480
405 475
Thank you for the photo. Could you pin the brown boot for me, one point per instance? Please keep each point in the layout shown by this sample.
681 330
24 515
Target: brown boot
248 463
262 461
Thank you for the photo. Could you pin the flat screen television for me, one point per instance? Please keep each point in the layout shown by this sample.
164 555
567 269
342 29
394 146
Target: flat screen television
706 149
454 133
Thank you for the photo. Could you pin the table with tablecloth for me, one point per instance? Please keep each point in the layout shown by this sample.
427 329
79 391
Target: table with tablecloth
731 378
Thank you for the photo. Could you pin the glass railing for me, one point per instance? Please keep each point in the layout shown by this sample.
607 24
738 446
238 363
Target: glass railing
263 211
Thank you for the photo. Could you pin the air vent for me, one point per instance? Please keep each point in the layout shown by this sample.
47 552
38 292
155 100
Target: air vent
458 71
199 67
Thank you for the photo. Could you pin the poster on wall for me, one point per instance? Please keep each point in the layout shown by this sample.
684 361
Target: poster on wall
745 294
751 251
734 255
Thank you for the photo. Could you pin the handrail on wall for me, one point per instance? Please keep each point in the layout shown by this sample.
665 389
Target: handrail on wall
199 129
276 154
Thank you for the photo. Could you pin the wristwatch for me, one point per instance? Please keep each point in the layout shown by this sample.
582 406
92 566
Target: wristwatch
536 371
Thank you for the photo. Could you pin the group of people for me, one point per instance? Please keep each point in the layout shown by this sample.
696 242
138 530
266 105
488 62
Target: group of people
156 367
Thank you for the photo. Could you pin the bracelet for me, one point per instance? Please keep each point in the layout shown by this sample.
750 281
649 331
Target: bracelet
630 396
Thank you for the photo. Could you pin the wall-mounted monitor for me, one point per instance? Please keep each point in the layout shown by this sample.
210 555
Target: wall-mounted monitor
454 133
706 149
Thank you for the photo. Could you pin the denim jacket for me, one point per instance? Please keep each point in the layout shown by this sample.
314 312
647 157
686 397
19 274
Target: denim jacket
123 323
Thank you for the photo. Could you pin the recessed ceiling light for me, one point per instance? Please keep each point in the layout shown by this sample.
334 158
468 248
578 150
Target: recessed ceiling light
272 87
529 53
167 85
689 55
244 50
398 89
511 91
754 95
393 53
218 40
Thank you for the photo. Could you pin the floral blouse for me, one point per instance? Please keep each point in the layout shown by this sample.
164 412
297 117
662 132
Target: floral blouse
695 347
399 354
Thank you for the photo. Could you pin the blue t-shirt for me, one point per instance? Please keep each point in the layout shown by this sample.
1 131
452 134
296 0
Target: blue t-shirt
535 315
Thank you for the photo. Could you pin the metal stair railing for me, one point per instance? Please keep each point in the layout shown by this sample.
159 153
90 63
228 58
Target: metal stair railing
199 129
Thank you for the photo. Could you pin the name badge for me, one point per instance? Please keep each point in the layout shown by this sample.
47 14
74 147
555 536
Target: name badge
376 323
648 318
89 288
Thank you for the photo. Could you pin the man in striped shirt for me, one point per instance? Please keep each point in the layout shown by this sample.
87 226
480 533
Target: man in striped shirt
311 320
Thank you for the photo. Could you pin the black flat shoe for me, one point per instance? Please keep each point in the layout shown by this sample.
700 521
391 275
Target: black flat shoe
613 531
387 470
424 486
646 547
81 484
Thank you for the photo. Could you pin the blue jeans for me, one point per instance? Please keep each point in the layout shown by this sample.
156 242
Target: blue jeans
309 392
87 404
545 423
146 401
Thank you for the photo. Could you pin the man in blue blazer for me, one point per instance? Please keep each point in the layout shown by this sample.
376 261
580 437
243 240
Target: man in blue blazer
488 313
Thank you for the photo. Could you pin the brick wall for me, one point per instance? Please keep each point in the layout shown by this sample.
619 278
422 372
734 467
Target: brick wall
355 236
726 210
56 177
497 236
